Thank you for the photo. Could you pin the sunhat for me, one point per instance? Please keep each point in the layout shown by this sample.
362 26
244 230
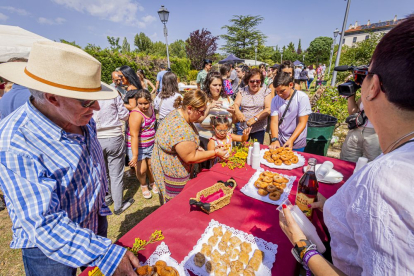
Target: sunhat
60 69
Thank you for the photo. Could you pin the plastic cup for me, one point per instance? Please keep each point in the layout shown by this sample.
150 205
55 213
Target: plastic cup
256 148
249 156
255 161
324 170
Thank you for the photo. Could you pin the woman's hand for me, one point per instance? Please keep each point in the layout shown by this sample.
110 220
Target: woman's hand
319 203
290 227
251 121
222 152
274 145
288 144
240 117
133 162
216 104
231 110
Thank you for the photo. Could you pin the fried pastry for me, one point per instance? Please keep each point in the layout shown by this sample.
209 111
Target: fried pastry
218 231
248 271
206 249
246 247
209 267
226 236
199 259
212 241
225 259
215 256
234 252
222 246
236 266
235 241
244 257
255 263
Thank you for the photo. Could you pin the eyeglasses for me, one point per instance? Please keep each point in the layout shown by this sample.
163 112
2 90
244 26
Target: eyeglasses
86 103
361 77
201 112
221 130
255 81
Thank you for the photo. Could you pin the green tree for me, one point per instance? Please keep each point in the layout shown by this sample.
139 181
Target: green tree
319 50
299 51
289 52
143 43
158 49
126 48
242 36
177 49
73 43
114 43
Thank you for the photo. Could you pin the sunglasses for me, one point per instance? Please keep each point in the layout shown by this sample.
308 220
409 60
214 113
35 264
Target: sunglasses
201 112
86 103
255 81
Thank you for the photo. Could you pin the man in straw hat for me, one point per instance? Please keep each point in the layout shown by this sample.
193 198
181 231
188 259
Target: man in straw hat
52 169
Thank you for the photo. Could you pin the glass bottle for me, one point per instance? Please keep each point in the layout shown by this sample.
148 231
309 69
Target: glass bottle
307 189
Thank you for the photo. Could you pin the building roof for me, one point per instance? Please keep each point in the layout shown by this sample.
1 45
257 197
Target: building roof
373 27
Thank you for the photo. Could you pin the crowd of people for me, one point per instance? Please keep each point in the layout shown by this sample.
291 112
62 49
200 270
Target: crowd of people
64 147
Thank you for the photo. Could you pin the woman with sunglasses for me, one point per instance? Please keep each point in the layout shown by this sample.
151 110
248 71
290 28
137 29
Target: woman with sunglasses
177 145
252 105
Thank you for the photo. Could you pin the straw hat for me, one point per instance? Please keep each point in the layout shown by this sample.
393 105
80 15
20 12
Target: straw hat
60 69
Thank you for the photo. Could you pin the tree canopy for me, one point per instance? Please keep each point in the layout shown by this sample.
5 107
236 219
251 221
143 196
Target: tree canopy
143 43
199 46
319 50
242 36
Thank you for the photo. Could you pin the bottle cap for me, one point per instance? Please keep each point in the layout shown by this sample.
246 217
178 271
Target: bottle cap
312 161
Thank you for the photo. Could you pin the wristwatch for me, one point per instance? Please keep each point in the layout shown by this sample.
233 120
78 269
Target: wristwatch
274 139
300 249
255 118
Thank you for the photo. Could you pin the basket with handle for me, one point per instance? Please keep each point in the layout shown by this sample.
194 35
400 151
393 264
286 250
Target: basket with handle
227 188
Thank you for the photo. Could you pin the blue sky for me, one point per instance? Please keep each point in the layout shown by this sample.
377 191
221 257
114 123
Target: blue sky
91 21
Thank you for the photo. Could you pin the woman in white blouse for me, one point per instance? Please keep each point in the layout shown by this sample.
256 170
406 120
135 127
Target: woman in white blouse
370 218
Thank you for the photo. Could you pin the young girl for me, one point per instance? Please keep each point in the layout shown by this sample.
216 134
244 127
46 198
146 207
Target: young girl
225 75
141 136
288 129
222 137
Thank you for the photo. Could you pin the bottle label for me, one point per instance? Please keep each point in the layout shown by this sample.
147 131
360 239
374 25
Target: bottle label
302 201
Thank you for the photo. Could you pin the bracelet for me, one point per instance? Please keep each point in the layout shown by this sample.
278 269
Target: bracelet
309 254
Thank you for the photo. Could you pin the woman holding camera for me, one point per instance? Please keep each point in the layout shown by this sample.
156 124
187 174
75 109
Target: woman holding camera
361 140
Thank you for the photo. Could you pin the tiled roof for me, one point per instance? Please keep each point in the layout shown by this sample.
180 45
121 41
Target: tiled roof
375 26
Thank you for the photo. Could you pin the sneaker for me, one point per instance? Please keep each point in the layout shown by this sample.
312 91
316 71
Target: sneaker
109 201
125 205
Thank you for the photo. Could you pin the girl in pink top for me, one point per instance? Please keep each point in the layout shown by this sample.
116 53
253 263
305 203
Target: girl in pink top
140 140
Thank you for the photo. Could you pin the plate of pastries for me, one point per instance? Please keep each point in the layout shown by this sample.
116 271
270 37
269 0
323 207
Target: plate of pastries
223 250
282 158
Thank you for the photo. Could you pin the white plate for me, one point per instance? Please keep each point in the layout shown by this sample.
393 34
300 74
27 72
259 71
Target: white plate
268 248
283 166
250 190
333 176
163 253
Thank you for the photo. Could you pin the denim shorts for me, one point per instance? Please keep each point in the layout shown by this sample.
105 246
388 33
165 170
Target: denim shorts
143 153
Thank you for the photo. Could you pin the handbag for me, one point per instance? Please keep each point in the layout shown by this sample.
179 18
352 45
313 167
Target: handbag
287 107
356 120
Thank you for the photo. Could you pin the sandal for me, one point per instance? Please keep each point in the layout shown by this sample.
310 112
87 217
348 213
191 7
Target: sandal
154 188
146 194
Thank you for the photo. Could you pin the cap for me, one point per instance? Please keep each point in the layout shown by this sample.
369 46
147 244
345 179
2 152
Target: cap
275 66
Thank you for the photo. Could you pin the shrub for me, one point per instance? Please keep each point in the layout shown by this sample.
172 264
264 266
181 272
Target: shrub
333 104
192 75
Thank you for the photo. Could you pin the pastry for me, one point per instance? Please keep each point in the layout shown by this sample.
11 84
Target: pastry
161 263
244 257
222 246
269 159
258 254
145 270
233 273
218 231
248 271
199 259
235 241
206 249
236 266
168 271
267 179
226 236
246 247
275 156
212 241
267 173
294 160
278 162
270 188
274 196
233 252
225 259
263 192
209 267
287 162
255 263
215 256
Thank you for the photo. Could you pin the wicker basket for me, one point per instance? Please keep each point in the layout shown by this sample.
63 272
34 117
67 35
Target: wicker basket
227 187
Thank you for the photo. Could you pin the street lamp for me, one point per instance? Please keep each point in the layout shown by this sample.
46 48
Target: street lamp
303 58
281 57
255 54
164 13
338 56
336 32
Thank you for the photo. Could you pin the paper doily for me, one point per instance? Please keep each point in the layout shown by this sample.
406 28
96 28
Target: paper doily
250 190
163 253
269 249
283 166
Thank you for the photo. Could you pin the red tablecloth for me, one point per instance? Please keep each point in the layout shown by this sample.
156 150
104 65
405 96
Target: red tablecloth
182 226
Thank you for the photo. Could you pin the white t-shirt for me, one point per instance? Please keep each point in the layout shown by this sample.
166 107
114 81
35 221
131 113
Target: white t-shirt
311 73
167 105
371 218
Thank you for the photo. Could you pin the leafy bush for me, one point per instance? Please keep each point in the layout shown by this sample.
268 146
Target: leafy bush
192 75
333 104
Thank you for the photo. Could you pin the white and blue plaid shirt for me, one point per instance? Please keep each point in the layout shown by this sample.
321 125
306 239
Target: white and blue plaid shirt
54 185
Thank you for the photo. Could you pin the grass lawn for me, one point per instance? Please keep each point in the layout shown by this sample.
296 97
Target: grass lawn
11 260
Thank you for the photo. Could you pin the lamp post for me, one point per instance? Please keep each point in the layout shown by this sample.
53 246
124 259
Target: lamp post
336 32
338 56
255 55
303 58
164 13
281 57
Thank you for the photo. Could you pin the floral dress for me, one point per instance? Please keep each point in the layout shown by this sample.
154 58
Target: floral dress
170 172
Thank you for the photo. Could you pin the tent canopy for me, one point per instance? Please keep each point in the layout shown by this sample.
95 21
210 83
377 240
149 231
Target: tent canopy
16 42
230 58
297 63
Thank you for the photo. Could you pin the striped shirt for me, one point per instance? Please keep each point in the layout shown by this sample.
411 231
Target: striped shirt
146 136
54 186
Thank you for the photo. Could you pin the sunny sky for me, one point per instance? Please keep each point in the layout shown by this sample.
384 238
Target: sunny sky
91 21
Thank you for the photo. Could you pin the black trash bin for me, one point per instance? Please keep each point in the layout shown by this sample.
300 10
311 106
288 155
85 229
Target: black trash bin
320 130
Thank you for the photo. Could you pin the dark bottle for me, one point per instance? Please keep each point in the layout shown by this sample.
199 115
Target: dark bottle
307 189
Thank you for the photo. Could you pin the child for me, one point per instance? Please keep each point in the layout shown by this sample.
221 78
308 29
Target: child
225 75
222 137
288 128
141 136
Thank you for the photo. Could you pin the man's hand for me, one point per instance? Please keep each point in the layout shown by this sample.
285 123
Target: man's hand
274 145
127 265
288 144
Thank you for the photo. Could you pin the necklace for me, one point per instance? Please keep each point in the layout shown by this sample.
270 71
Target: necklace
392 146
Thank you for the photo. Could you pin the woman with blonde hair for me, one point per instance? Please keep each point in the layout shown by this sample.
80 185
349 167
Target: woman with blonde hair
177 145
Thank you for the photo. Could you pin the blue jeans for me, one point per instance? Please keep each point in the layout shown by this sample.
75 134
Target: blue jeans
309 82
239 130
259 136
300 149
36 263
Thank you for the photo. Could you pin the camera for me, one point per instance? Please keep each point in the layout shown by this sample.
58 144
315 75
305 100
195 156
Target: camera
359 73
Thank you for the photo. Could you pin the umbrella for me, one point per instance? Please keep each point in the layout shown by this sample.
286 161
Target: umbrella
297 63
230 58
